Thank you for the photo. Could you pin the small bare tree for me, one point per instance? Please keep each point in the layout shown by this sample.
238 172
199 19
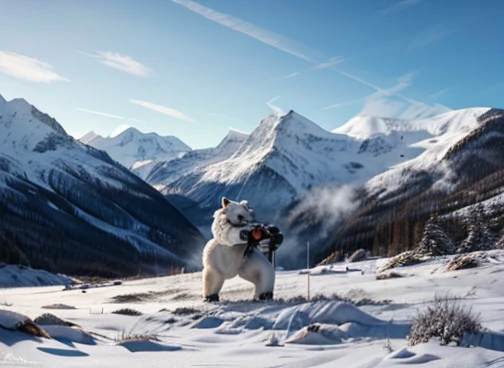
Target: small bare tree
447 319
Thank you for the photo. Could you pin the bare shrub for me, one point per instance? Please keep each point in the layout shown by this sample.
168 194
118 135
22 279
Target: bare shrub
186 310
142 297
128 312
389 275
356 297
462 262
132 298
447 319
404 259
48 319
58 306
357 256
125 337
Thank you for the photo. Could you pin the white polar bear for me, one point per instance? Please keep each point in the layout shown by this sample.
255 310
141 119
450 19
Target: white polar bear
224 255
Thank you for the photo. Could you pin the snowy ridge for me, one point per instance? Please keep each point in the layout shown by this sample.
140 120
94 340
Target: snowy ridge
445 131
132 146
362 127
165 172
21 276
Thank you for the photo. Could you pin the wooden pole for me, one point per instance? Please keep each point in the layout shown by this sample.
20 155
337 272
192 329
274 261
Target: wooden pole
308 266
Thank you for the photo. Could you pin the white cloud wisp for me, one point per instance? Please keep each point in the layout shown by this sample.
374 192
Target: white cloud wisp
164 110
27 68
120 62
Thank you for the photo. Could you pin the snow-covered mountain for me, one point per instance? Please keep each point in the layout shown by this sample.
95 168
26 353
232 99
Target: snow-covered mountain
459 177
287 155
134 149
68 207
433 138
288 158
163 173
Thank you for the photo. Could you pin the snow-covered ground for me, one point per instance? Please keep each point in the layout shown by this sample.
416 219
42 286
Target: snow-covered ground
16 276
236 331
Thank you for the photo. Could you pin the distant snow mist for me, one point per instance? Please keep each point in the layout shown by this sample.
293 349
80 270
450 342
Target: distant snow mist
327 205
313 219
447 183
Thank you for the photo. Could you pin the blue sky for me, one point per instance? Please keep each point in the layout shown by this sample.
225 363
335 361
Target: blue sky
194 69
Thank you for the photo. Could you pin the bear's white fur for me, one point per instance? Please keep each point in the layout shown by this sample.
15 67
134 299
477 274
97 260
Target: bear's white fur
223 256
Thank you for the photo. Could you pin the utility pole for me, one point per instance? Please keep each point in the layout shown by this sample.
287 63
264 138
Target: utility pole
308 266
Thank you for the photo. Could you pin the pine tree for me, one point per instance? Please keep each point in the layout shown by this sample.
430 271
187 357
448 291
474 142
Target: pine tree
435 242
479 235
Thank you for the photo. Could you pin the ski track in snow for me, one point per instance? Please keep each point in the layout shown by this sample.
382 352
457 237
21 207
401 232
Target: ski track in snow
235 332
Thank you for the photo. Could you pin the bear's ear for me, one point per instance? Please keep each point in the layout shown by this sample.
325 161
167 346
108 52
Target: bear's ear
225 202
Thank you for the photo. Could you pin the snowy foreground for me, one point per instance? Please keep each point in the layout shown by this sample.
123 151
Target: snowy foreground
236 332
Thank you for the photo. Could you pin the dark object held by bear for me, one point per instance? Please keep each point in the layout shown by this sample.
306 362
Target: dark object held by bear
259 232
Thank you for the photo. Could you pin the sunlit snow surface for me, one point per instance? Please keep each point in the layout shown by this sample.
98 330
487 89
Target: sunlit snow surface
236 331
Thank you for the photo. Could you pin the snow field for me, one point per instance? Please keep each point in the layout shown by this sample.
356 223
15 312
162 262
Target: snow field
236 331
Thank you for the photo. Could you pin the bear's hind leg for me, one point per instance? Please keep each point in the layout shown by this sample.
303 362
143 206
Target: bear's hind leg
212 284
259 271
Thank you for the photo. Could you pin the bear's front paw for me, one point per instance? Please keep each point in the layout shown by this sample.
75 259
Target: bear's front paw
266 296
212 298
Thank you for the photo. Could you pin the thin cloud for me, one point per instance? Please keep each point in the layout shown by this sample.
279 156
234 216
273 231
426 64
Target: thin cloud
270 38
438 94
279 42
164 110
390 103
345 103
110 115
399 6
431 35
328 64
275 109
332 61
27 68
120 62
292 75
100 113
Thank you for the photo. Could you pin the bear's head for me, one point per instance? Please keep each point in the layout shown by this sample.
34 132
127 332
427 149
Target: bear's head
237 213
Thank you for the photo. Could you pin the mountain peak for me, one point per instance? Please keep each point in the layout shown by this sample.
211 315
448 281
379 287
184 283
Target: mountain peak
20 105
21 112
89 137
294 123
232 140
131 131
236 132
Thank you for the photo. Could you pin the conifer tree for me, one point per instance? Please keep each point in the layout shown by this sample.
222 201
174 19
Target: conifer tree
435 242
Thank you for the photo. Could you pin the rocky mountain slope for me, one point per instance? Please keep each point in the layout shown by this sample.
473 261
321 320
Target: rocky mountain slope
68 207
